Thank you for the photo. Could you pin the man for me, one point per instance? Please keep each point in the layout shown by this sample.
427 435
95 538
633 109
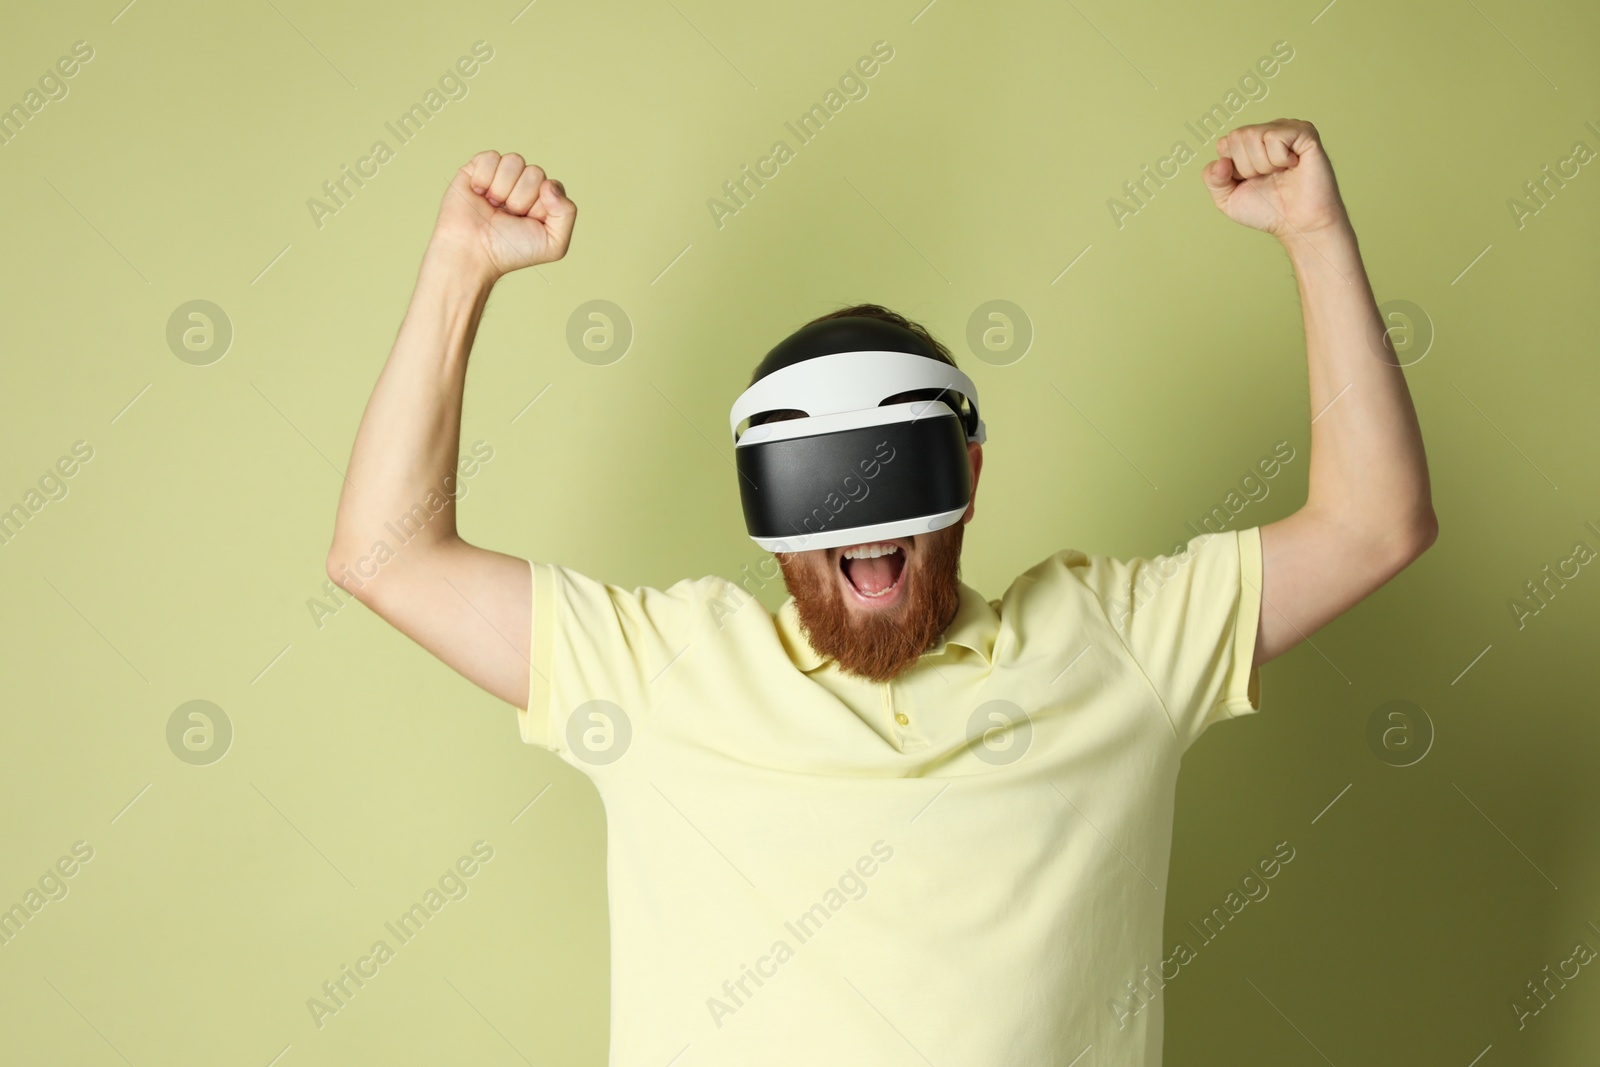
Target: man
925 827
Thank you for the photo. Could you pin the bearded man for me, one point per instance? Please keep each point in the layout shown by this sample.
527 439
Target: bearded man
895 821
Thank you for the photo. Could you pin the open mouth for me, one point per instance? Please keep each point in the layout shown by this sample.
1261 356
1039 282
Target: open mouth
874 571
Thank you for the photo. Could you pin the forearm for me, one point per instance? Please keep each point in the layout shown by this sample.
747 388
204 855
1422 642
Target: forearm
404 460
1368 471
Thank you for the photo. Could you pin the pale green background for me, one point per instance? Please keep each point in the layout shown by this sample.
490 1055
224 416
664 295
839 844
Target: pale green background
180 564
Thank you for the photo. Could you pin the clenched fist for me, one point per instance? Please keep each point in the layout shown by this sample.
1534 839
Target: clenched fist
1275 177
500 214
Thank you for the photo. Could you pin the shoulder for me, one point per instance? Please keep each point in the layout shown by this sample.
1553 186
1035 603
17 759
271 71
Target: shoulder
594 607
1113 586
1069 591
1067 572
581 583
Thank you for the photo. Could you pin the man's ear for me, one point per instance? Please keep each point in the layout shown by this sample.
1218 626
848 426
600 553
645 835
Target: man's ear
975 460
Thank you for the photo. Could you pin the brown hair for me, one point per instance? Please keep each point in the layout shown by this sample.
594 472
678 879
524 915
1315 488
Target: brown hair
878 311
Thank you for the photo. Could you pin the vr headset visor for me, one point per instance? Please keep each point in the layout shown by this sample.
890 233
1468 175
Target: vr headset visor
853 467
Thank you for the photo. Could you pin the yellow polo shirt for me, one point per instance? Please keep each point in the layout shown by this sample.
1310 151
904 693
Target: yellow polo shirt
965 866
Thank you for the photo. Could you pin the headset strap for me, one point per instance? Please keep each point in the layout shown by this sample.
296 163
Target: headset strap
850 381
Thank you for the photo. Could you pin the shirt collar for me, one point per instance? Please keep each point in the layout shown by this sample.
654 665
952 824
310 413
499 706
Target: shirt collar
974 626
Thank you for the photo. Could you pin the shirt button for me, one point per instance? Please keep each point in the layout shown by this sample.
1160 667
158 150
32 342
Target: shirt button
900 717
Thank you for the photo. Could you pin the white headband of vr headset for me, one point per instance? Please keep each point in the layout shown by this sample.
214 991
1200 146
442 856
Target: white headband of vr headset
850 381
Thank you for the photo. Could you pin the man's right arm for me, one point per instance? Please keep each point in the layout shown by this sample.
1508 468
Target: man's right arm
469 606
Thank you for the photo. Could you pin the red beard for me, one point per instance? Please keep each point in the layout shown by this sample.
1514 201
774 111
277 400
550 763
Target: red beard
878 645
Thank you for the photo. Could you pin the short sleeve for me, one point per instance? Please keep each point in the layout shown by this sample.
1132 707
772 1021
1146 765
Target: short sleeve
596 654
1189 619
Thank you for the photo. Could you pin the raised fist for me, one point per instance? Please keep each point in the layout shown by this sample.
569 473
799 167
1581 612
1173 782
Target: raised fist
500 214
1276 177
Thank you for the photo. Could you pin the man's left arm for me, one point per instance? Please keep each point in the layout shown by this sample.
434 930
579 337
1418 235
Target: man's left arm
1368 512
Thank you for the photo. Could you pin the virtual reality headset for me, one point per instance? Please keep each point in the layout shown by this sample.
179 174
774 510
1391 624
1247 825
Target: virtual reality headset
861 463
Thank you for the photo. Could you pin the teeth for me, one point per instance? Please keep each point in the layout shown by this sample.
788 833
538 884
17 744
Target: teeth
872 551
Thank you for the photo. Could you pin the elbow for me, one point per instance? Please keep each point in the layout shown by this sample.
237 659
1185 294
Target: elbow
1430 529
339 558
1425 529
343 568
1415 536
